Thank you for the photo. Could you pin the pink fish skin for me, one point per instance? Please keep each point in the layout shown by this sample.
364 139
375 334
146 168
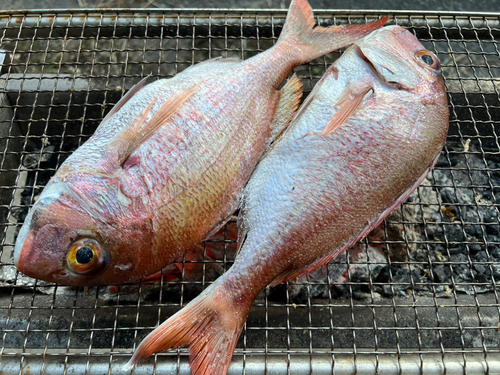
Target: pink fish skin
360 144
166 168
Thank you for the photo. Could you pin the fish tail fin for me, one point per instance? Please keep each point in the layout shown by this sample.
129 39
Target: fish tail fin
317 41
210 325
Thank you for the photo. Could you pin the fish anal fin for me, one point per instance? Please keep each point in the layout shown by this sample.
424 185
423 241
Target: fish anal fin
292 274
288 103
130 93
349 101
210 325
139 131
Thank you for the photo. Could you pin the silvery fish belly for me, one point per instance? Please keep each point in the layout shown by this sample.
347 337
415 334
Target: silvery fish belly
360 144
167 166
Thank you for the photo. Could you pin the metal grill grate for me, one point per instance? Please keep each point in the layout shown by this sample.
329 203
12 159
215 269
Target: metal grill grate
419 295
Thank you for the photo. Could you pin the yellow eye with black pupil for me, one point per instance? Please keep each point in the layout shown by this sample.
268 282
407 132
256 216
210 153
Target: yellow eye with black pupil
85 256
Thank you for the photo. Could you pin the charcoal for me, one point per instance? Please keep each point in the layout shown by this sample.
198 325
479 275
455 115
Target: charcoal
448 195
496 275
34 159
464 275
492 229
439 274
481 278
455 233
421 257
480 268
456 250
441 249
433 231
464 195
473 230
442 162
455 159
385 275
475 247
481 256
492 164
403 276
488 212
340 291
494 251
388 290
490 216
375 272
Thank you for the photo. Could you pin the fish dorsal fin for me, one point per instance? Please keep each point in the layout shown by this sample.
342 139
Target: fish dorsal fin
348 101
288 103
139 131
130 93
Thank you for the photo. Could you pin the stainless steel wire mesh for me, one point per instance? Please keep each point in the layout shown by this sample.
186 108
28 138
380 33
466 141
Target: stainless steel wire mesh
419 295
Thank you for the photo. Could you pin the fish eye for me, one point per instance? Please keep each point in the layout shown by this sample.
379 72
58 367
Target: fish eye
85 256
427 59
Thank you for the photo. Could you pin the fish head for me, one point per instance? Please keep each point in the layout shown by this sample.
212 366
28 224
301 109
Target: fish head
67 241
401 60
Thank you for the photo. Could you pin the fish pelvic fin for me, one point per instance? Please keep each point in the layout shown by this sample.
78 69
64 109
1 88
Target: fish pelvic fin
139 131
289 101
210 326
349 101
316 41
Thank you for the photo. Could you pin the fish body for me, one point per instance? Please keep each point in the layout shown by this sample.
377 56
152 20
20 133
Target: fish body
362 141
166 168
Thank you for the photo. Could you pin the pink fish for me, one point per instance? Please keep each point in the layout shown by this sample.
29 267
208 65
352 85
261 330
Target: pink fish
166 167
360 144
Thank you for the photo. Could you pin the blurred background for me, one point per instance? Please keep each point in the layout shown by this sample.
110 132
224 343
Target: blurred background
439 5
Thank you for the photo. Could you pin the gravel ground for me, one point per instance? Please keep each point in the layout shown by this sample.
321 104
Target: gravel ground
443 5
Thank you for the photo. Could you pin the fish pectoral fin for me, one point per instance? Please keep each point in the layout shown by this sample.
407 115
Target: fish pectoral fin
130 93
138 131
349 101
288 103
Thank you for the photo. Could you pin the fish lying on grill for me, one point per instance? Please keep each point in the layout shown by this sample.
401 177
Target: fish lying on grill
361 143
167 166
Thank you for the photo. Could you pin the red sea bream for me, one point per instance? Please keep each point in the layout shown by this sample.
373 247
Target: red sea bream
167 166
361 143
